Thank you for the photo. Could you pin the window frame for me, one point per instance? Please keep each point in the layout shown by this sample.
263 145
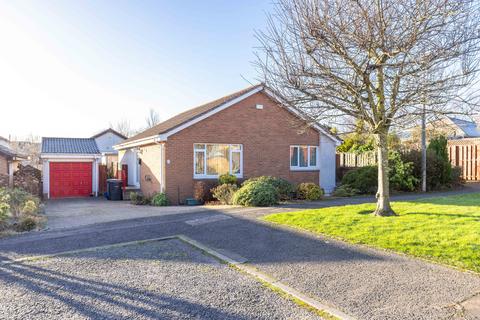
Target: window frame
309 167
204 175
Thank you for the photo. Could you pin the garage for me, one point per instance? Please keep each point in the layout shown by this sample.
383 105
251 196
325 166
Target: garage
70 179
70 167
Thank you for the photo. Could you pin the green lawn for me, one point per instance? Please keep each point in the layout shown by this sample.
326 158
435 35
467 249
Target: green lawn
444 229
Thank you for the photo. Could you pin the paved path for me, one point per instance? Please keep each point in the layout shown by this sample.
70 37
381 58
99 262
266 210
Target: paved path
365 283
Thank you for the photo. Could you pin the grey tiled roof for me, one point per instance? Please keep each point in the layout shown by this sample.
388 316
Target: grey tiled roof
69 146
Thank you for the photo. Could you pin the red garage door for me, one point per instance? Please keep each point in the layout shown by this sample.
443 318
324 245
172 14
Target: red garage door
70 179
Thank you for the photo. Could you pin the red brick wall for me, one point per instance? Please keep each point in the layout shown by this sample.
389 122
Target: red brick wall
150 169
3 165
266 136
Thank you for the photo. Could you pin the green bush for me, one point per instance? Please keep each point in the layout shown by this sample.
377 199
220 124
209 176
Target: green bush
4 204
364 179
345 191
285 189
224 193
26 223
227 179
456 175
30 207
139 199
256 194
159 199
440 174
401 173
309 191
17 200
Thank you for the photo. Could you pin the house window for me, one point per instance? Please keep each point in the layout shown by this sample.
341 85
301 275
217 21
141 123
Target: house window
303 158
213 160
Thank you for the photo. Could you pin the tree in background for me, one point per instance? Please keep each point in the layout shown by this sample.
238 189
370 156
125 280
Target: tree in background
152 119
372 61
124 127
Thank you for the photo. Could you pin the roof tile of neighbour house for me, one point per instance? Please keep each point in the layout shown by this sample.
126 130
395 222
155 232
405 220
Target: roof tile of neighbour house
69 146
188 115
109 130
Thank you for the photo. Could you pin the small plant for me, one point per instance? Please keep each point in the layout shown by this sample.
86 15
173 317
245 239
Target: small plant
4 204
200 191
30 207
285 189
256 194
224 193
17 199
26 223
159 199
309 191
345 191
139 199
227 179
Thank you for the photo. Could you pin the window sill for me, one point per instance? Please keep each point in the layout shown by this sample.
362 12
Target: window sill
304 169
211 177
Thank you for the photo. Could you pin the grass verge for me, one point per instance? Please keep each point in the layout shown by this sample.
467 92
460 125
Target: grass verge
445 230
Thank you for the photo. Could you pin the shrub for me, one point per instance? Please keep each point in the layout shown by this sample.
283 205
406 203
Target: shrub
4 204
401 173
17 199
201 191
224 193
362 179
438 174
285 189
139 199
256 194
227 179
345 191
26 223
456 175
309 191
159 199
30 207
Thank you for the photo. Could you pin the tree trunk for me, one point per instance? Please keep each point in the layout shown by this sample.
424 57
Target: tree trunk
383 194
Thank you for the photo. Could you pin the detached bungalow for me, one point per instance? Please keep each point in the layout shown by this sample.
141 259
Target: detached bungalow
248 133
71 165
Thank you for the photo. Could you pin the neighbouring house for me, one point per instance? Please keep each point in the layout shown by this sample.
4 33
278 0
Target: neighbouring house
71 165
9 159
248 133
450 127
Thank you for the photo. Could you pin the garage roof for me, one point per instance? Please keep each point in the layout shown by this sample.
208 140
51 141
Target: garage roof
70 146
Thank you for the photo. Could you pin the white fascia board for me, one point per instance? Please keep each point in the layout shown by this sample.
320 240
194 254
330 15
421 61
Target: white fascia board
139 142
299 115
69 156
212 112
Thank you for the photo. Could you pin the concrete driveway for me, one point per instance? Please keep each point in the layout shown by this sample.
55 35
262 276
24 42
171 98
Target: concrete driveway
78 212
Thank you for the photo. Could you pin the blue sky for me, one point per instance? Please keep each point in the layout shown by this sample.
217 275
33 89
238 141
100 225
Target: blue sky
69 68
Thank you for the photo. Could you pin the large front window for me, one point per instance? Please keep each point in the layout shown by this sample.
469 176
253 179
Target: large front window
303 157
212 160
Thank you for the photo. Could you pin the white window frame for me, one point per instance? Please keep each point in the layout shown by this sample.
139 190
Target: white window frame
204 151
308 167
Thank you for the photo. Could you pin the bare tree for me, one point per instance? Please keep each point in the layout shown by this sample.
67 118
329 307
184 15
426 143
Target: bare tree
375 61
152 119
124 127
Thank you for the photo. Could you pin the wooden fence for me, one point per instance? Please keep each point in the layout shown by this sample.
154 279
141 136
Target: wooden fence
355 160
465 153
